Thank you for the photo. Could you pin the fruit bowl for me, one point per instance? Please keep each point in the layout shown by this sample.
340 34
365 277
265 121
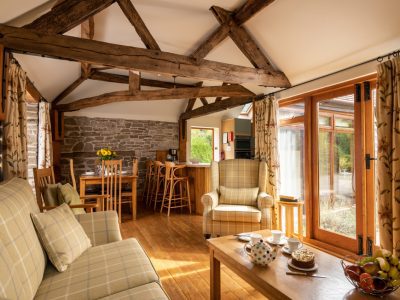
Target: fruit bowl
367 283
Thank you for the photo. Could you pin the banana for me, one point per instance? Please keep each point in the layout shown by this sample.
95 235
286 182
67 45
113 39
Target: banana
386 253
395 283
394 273
383 264
378 253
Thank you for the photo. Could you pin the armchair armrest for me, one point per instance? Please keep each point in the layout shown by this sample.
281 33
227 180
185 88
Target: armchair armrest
265 200
101 227
210 201
89 207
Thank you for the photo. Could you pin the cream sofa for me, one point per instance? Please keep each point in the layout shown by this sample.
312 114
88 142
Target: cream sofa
238 201
112 269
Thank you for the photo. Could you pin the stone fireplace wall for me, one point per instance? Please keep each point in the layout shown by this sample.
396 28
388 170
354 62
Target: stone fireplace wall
83 136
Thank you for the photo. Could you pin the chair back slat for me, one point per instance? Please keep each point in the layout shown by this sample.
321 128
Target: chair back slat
42 178
72 173
111 178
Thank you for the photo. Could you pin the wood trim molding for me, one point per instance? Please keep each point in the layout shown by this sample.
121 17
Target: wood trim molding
2 83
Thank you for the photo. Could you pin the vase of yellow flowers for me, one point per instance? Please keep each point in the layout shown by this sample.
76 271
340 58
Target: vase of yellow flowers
104 154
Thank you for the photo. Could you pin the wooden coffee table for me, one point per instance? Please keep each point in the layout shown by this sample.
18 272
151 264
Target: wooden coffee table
272 280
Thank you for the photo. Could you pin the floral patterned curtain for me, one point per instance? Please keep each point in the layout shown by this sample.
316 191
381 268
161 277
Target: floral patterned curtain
45 153
388 164
15 129
266 144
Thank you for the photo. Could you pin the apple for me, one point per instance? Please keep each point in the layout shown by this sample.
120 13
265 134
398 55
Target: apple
379 284
366 282
371 268
354 271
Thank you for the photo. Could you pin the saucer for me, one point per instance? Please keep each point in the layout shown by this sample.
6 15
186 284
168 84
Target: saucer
280 243
285 249
89 173
244 237
302 269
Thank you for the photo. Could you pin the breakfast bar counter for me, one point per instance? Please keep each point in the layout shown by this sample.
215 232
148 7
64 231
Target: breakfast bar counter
200 183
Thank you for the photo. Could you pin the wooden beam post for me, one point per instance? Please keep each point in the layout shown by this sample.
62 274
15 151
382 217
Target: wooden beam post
182 140
126 57
134 81
33 91
68 90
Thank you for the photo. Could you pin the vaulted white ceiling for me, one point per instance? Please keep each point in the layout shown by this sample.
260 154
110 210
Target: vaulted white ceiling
304 39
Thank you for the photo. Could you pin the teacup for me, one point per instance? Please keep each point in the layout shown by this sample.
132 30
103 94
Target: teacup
294 244
255 238
276 235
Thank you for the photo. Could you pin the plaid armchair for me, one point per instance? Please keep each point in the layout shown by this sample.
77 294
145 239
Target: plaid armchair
238 201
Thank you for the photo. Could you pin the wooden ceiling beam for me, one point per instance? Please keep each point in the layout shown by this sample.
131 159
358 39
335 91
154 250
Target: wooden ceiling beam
126 57
242 39
68 90
215 107
190 104
134 82
67 15
32 90
109 77
204 101
164 94
134 18
87 32
241 15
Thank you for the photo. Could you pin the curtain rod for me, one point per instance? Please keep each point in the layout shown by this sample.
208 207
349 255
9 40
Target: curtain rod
395 53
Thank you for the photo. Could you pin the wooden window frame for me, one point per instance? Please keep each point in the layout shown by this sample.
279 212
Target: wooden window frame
213 136
307 98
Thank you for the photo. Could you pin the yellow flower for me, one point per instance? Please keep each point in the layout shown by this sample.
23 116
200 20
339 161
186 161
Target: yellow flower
115 153
98 152
108 152
103 152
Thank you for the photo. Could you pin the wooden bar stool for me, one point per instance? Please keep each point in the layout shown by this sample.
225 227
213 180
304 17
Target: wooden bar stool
176 189
147 182
158 180
289 217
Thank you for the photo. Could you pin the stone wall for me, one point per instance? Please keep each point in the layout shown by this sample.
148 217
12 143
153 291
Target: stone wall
32 139
83 136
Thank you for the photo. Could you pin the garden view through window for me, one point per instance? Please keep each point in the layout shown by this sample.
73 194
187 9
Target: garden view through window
201 145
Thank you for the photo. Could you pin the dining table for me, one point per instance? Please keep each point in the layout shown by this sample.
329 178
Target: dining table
95 179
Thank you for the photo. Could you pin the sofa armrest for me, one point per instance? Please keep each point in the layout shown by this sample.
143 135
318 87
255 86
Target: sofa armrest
101 227
210 201
265 200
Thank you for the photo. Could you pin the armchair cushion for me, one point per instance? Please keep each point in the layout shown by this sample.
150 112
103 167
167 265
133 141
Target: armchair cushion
265 200
67 194
101 227
50 194
236 213
238 196
62 236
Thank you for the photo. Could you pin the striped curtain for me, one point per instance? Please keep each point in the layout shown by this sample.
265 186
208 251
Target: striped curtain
45 153
266 143
15 126
388 164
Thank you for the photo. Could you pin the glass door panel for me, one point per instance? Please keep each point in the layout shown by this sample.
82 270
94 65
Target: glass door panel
336 215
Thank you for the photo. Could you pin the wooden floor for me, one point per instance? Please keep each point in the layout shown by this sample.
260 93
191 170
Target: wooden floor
180 255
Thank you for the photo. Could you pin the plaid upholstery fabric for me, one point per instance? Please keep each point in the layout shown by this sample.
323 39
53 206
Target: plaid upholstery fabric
236 213
265 201
262 177
62 236
101 227
238 173
18 237
238 196
99 272
150 291
214 175
10 285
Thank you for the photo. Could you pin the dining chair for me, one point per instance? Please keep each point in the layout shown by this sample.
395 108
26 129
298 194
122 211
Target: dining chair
111 185
158 181
127 194
148 182
176 188
45 176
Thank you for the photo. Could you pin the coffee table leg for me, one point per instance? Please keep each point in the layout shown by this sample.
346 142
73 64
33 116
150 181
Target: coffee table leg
215 277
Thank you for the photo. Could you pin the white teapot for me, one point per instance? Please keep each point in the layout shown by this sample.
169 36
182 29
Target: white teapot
261 253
